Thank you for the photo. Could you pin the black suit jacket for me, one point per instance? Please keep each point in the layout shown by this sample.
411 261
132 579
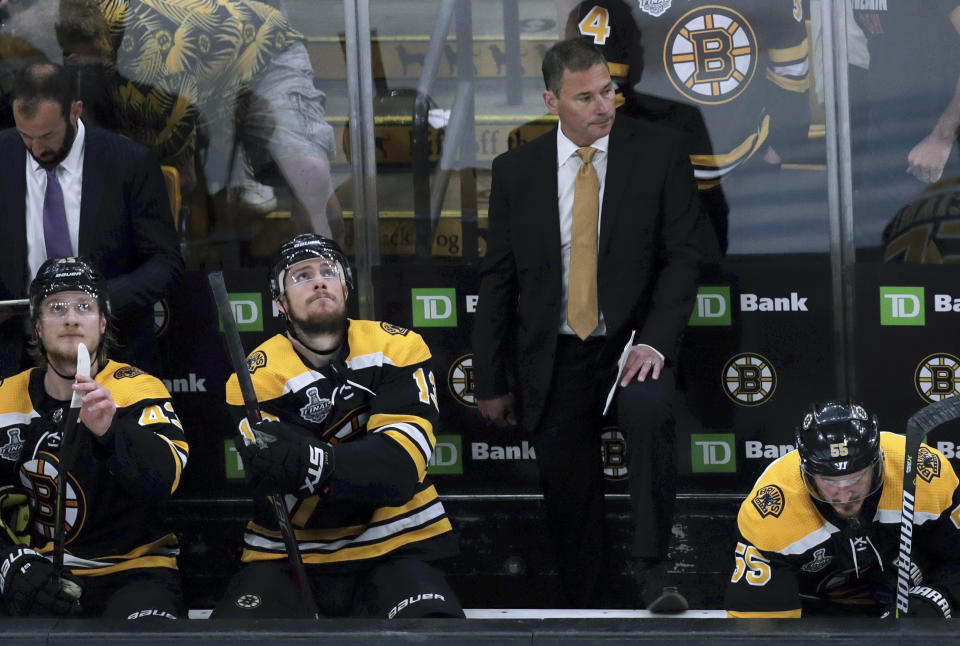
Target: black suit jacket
647 267
126 230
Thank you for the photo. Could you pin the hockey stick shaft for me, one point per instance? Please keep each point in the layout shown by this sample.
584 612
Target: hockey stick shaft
920 423
251 405
66 457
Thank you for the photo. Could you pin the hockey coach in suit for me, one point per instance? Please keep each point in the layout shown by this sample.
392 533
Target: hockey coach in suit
113 205
560 293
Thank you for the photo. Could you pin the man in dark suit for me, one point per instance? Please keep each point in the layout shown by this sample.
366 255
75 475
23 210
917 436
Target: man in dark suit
113 208
534 364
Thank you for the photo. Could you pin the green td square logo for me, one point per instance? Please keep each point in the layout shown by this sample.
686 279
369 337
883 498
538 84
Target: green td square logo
247 311
713 453
232 461
712 306
901 306
447 456
434 306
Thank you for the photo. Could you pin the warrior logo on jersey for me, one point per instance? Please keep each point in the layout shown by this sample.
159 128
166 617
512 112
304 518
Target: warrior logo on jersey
710 55
39 476
936 376
928 464
390 328
316 409
460 381
820 561
127 372
655 8
248 601
256 361
11 450
613 450
769 501
749 379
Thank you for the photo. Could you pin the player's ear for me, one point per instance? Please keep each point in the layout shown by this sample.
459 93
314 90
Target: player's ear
282 305
551 101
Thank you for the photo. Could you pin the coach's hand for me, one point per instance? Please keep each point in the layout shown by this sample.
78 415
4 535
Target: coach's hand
499 410
284 460
31 585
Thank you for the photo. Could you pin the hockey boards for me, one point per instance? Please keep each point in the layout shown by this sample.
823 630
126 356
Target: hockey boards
920 423
251 405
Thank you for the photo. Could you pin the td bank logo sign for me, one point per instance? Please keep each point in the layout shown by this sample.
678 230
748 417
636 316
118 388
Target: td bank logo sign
712 306
901 306
713 453
447 457
247 311
434 306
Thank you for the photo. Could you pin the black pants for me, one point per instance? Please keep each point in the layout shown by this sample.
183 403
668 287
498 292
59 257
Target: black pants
402 588
567 443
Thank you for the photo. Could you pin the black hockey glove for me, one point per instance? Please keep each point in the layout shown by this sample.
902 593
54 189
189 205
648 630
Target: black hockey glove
31 586
284 461
928 602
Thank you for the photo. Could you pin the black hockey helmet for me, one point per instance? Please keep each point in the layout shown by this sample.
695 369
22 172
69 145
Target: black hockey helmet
67 275
836 439
304 247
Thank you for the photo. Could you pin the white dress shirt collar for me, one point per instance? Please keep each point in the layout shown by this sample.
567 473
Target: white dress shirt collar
566 148
72 164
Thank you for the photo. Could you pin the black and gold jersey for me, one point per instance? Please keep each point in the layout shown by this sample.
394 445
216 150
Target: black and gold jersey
377 405
118 482
743 63
794 556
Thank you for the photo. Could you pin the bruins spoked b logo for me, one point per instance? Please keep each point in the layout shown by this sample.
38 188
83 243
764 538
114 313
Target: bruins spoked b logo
749 379
710 54
613 447
936 377
460 381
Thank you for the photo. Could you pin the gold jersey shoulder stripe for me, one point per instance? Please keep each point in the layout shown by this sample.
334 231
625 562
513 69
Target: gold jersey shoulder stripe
368 337
932 497
132 387
15 394
280 362
797 519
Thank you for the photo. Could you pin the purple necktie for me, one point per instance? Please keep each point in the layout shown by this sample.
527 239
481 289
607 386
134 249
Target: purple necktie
56 233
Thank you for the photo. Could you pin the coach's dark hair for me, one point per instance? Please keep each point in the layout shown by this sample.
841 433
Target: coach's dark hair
575 55
44 82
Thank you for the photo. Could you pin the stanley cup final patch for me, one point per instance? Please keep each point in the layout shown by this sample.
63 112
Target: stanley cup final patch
316 409
655 8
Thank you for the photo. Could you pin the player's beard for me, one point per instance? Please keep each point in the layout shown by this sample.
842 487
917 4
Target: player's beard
68 138
66 361
319 323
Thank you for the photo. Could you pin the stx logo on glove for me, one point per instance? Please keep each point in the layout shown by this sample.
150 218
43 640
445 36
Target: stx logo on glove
314 470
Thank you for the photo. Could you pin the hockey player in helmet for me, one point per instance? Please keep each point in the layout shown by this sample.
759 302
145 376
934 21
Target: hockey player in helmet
129 452
350 422
819 533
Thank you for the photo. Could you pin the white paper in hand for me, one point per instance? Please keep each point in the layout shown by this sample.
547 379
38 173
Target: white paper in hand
83 368
620 366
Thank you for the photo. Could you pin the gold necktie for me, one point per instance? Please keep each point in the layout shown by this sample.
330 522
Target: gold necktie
582 310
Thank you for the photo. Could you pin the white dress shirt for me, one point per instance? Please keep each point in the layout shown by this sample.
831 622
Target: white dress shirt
70 174
568 165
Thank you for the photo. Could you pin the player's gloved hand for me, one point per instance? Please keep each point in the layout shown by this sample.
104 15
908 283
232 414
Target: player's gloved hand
285 461
926 601
31 585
